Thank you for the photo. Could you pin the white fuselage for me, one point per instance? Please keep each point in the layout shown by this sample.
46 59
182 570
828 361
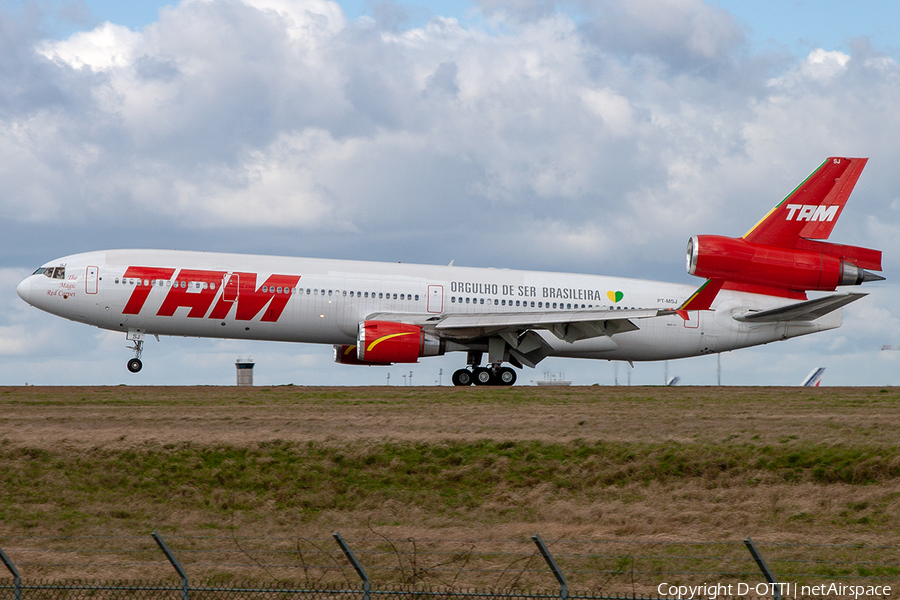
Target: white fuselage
324 301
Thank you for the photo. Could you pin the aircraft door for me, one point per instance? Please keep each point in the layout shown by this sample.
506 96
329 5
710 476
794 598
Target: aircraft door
230 292
435 298
693 319
91 277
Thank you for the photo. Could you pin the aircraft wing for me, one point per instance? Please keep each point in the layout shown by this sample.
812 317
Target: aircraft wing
801 311
517 329
568 325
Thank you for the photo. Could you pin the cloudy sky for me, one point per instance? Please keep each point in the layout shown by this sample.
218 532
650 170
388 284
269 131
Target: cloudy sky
587 136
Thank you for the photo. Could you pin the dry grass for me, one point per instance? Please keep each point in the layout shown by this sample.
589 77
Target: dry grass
119 417
809 466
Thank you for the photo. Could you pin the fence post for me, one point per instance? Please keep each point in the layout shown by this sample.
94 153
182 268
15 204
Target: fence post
17 580
174 562
563 586
770 577
360 570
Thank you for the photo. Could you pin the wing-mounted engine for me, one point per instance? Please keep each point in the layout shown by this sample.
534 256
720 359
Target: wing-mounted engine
345 354
386 342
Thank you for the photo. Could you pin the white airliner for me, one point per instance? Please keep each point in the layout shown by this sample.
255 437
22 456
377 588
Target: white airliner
382 313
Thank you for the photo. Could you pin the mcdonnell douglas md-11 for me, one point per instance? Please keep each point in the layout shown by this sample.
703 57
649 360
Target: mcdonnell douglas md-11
373 313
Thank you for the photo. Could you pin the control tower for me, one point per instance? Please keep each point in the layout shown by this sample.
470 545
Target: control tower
244 367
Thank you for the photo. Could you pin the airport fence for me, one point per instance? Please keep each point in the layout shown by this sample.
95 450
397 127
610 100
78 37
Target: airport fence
382 568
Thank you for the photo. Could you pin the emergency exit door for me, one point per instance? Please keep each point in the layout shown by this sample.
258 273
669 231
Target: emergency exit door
435 298
90 280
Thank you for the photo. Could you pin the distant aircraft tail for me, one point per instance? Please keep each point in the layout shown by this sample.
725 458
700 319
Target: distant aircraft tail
783 255
814 378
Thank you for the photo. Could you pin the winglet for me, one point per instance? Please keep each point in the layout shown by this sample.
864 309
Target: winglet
702 299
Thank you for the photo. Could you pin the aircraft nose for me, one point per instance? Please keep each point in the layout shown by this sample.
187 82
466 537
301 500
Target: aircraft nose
24 290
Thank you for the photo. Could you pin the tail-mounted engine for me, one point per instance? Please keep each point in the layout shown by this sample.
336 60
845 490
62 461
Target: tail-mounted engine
387 342
813 265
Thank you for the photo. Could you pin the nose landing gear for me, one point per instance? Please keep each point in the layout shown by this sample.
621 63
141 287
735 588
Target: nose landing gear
137 337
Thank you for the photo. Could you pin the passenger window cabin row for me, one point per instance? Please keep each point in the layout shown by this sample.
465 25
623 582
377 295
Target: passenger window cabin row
266 289
519 303
531 304
200 285
352 293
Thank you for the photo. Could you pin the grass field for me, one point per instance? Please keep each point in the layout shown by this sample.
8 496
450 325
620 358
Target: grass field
801 465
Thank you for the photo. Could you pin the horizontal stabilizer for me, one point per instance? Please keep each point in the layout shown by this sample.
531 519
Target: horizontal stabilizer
865 258
801 311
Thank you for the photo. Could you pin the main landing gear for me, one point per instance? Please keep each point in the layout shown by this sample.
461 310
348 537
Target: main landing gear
493 375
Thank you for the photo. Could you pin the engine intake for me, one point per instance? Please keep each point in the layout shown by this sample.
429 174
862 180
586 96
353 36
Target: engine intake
737 260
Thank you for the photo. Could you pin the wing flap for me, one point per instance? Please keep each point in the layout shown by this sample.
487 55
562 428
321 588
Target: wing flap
801 311
540 320
570 326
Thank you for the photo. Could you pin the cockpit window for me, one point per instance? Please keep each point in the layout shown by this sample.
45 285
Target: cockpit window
52 272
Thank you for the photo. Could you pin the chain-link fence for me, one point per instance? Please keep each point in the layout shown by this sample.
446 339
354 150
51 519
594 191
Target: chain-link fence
156 591
376 567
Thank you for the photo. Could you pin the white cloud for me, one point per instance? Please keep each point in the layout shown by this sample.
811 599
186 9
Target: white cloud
278 185
102 48
305 21
528 139
820 66
613 108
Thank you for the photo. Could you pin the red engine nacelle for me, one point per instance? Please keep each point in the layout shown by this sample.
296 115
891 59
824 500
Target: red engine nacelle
737 260
385 342
346 355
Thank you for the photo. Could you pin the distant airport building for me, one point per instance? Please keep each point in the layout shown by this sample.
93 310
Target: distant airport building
244 367
553 380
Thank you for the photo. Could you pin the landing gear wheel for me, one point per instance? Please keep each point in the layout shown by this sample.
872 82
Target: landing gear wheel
135 365
462 377
483 376
506 376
